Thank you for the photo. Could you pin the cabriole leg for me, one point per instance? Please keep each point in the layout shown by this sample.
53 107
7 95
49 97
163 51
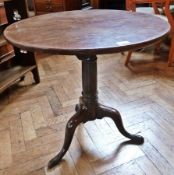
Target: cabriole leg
70 129
112 113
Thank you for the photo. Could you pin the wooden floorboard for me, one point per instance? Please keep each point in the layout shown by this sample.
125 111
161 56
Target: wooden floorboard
33 118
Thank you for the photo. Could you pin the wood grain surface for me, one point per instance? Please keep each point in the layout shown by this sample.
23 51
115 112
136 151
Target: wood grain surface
87 32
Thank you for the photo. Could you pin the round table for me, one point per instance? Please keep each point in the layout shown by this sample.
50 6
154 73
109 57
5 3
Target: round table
85 34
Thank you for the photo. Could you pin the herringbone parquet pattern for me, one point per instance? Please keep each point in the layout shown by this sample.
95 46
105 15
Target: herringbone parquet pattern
33 119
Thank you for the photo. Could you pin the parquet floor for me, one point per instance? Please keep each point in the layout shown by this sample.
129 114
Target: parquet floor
33 119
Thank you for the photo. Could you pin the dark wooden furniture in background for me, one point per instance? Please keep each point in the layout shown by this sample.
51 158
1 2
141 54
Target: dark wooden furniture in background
107 4
47 6
4 47
72 38
112 4
14 63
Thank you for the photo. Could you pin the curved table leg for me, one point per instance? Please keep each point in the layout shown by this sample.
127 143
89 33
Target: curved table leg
112 113
89 109
74 121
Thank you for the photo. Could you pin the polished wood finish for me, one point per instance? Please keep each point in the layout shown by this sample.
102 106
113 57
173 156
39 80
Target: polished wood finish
90 35
2 14
169 16
48 6
90 109
85 47
3 24
95 4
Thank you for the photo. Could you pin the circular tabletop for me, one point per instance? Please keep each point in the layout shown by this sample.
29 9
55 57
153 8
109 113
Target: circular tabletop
87 32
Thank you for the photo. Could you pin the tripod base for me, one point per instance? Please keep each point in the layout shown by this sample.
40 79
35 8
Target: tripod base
89 109
83 115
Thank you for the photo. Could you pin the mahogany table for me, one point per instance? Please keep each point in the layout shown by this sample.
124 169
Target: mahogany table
86 34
